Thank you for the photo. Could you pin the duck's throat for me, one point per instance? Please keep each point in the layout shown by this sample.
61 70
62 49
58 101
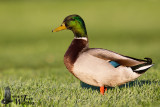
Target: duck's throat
75 49
80 32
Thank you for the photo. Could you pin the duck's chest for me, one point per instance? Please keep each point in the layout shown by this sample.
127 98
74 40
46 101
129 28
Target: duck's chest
77 47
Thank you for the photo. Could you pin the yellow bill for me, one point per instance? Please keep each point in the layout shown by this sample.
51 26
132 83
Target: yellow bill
62 27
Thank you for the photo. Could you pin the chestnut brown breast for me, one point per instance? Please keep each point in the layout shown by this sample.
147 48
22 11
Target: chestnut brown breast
77 46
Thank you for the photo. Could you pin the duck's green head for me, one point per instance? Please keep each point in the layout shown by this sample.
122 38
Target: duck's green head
74 23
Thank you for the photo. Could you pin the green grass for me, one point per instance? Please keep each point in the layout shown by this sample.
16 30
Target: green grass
31 56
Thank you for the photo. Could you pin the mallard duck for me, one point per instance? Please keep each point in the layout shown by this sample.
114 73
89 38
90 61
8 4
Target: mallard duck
96 66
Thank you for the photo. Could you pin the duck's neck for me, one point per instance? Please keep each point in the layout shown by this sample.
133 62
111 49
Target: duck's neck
78 45
82 38
80 31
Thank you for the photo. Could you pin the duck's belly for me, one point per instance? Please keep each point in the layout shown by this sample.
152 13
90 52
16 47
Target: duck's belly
99 72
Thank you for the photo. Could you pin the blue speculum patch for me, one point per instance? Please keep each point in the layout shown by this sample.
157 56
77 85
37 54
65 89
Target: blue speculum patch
115 64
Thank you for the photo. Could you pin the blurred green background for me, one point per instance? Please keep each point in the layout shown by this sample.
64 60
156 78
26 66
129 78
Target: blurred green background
128 27
29 50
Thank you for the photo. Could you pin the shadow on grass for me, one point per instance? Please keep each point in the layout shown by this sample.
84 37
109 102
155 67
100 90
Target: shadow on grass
129 84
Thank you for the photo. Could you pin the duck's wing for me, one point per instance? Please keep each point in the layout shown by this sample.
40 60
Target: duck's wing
112 56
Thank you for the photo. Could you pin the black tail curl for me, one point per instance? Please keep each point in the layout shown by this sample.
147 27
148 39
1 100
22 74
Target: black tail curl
147 62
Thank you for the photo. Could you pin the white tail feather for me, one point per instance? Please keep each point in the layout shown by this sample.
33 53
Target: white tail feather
144 67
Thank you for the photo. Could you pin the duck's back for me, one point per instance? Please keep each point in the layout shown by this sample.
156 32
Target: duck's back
99 72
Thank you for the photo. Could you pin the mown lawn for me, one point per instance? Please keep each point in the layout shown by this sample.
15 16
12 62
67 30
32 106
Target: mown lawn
31 56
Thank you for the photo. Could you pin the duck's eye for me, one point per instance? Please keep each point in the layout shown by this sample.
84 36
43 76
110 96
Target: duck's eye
66 25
